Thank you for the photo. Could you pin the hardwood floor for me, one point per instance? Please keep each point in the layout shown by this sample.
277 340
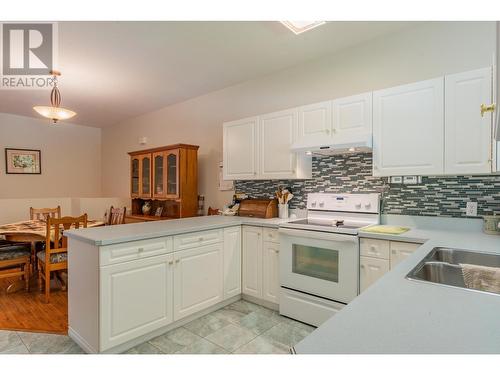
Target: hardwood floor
26 311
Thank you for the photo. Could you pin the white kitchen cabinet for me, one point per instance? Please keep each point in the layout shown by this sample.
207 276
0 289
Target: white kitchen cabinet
232 262
370 270
241 149
278 131
401 250
252 261
198 279
408 129
135 299
315 120
352 116
270 271
468 135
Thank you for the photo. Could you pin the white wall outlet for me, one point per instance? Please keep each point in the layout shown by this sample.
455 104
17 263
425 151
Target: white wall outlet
471 209
410 180
396 180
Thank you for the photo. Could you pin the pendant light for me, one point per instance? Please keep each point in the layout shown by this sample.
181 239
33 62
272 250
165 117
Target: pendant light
54 112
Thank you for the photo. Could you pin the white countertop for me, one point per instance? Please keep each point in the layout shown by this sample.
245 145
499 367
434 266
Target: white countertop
112 234
396 315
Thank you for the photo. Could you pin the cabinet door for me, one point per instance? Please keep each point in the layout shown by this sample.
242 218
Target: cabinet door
352 116
270 271
134 176
277 133
135 299
172 173
408 128
315 120
240 149
401 250
145 173
198 279
252 261
370 270
468 135
159 175
232 262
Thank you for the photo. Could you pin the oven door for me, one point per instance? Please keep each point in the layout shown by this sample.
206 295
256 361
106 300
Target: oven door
319 263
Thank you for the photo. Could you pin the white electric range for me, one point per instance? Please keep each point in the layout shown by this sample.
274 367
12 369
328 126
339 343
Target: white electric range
319 257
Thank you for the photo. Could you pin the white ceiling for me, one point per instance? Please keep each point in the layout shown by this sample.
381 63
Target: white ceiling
113 71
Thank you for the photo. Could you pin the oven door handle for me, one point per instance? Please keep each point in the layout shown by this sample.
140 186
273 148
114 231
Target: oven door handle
319 235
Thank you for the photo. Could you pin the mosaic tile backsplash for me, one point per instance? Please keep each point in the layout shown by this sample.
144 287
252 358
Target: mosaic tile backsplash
435 196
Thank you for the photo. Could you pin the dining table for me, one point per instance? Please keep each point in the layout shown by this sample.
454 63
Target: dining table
31 231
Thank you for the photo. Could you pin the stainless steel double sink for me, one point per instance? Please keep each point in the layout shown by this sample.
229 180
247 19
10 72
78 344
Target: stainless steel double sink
442 266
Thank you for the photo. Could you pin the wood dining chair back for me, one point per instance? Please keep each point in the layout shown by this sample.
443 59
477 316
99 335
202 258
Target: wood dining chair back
116 216
54 258
44 213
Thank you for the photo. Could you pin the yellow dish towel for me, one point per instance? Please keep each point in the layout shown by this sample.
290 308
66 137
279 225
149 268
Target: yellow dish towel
386 229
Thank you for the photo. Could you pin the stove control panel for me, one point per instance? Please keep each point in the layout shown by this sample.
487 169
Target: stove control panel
367 203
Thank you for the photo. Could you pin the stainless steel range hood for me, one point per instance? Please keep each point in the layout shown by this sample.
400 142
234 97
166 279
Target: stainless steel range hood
325 145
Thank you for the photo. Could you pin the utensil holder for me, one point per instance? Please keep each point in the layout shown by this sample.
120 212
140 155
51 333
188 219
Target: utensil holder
283 211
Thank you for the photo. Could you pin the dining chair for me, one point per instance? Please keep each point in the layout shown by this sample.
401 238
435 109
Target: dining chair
54 258
15 261
116 216
43 213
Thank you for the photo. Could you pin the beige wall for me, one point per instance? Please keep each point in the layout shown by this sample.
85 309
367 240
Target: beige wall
417 53
17 209
71 158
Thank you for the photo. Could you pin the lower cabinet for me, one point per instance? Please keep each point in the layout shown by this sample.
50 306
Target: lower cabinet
198 279
370 270
232 261
401 250
135 299
270 274
252 261
377 257
260 263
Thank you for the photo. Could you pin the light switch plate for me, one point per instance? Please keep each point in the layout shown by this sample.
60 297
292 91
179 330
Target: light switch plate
410 180
396 180
471 209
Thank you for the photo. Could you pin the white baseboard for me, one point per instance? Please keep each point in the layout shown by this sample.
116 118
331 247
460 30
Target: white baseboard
82 343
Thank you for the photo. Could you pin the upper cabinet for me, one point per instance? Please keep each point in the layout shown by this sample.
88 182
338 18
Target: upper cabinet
336 119
468 133
408 129
277 133
259 148
352 116
315 120
241 151
169 177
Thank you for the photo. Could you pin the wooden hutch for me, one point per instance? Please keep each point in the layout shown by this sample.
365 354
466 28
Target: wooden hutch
167 177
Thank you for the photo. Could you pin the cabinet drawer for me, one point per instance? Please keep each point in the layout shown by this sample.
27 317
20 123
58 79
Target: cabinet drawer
374 248
271 235
196 239
124 252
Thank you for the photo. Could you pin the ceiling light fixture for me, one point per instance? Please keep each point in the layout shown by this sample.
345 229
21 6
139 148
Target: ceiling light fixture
299 27
55 112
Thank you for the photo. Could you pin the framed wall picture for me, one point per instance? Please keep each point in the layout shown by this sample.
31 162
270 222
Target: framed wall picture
22 161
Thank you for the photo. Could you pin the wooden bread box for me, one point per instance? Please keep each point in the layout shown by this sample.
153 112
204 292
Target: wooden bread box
261 208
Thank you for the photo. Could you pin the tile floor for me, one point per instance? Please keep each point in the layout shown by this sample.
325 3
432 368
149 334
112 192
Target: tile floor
240 328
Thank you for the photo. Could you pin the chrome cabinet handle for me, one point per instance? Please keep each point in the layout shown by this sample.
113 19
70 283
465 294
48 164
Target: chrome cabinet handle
171 262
